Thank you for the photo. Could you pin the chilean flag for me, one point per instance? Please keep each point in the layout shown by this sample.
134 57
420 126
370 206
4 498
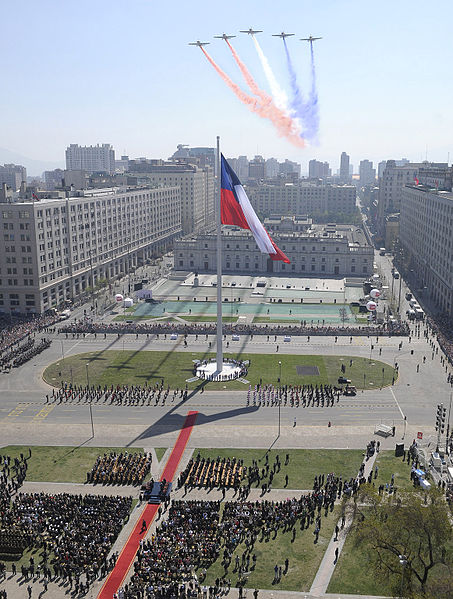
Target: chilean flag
235 209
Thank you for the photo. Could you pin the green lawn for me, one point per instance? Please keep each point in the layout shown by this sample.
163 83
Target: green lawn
61 463
304 464
387 465
294 320
136 367
352 574
304 558
160 451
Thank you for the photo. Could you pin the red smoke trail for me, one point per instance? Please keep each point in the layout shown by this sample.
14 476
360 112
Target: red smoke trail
248 77
265 108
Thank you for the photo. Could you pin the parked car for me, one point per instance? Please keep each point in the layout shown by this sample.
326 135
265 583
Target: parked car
343 380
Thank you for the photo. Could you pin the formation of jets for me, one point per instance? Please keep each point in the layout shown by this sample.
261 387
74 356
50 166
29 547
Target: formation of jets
251 31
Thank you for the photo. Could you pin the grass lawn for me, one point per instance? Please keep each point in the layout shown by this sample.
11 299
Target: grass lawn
61 463
388 464
160 452
294 320
352 574
304 559
304 464
136 367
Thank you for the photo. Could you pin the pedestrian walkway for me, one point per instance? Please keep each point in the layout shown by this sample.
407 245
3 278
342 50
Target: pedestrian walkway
332 553
147 515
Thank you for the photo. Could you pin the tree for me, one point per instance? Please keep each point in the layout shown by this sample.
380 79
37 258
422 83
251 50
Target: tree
404 528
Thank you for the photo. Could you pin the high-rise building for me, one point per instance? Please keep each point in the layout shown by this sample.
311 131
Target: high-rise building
53 179
272 168
381 167
257 168
426 234
13 175
367 174
318 170
242 168
344 168
91 159
203 156
391 184
54 248
196 184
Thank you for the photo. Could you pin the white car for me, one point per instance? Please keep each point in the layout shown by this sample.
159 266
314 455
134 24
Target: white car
173 336
235 338
287 338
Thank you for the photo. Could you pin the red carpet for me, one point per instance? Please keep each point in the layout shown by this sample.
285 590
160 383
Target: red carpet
127 555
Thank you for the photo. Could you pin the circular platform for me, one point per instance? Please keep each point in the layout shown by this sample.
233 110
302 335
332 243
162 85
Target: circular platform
208 371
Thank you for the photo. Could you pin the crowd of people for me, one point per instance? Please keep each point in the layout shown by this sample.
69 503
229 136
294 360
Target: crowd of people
240 369
442 328
207 472
293 395
120 469
12 474
117 395
31 352
73 533
13 333
166 328
197 533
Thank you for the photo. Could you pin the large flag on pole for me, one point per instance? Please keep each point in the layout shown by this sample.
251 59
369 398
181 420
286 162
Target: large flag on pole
235 209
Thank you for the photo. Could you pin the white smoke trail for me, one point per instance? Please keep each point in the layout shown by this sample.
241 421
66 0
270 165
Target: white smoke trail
279 95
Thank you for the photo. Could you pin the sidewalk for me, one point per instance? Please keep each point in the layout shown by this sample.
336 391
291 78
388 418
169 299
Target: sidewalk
329 561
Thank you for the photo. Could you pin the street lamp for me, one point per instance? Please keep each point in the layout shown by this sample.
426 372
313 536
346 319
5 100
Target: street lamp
280 370
279 399
88 378
403 562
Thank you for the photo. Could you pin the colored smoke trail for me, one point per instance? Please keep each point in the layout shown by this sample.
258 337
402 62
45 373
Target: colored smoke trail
248 77
278 94
313 98
284 124
306 111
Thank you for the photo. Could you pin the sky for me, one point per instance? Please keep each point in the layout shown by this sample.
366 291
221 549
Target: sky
97 71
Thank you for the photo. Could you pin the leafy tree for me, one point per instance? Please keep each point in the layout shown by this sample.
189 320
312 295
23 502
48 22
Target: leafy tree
408 526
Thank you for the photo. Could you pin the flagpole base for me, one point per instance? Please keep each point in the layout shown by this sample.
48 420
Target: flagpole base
231 370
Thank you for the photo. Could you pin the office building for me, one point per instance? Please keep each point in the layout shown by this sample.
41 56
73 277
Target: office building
92 159
13 175
53 179
426 235
367 174
272 168
302 198
345 176
315 250
196 184
202 156
391 184
51 250
257 169
318 170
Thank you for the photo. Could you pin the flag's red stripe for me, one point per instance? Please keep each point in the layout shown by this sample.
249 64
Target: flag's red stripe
231 211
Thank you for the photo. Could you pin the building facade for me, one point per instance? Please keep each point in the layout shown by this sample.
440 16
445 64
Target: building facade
345 176
53 249
426 234
92 159
319 170
196 184
367 174
320 250
391 184
13 175
302 198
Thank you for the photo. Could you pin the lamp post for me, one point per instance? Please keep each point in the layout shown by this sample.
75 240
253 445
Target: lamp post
403 562
280 371
279 398
88 378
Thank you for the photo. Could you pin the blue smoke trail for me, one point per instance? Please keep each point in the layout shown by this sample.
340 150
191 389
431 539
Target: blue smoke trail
307 112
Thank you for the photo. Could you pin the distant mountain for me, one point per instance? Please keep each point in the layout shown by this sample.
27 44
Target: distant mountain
34 167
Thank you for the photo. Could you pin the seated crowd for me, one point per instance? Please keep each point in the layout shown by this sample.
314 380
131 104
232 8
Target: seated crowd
120 469
207 472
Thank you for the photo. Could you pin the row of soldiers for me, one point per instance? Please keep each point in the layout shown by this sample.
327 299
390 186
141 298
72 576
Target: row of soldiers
11 354
293 395
120 469
118 395
31 353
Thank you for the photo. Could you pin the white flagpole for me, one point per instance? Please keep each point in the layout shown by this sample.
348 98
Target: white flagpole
219 260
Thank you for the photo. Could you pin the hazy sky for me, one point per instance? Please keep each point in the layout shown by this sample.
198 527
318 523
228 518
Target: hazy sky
94 71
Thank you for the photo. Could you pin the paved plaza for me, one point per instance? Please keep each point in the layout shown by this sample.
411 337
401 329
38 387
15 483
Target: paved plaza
224 418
